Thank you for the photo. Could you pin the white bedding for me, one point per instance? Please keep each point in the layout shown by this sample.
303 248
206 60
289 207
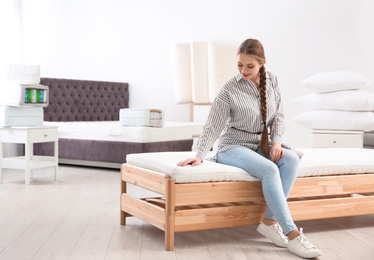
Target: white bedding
315 162
113 131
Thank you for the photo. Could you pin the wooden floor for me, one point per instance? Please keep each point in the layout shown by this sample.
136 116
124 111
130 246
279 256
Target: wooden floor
78 218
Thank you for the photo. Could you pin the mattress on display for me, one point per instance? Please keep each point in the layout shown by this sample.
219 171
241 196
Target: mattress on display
21 116
114 131
141 117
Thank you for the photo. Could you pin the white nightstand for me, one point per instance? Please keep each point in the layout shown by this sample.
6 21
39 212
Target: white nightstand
29 136
332 138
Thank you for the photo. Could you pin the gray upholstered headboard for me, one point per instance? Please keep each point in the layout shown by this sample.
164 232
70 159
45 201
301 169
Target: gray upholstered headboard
84 100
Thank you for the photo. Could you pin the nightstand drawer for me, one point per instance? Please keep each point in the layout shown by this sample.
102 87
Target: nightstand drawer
337 140
43 135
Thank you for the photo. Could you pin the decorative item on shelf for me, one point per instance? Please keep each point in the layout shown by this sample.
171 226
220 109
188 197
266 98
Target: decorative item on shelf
35 94
141 117
16 94
22 97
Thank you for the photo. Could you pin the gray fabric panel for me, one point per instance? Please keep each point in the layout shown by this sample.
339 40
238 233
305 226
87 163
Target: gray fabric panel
107 151
369 138
84 100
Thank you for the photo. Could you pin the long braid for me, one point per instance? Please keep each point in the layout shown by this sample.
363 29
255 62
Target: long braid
264 144
255 48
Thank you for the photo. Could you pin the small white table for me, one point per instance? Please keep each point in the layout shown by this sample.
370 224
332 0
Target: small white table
29 135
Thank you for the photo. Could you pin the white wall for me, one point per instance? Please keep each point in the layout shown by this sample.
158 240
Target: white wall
130 41
366 42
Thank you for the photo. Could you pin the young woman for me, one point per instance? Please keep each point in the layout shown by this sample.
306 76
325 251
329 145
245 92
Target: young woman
244 108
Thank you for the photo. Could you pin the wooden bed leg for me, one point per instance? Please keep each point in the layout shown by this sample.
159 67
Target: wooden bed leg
169 215
123 214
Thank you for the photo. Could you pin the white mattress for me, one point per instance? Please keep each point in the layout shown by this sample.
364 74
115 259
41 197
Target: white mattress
182 73
315 162
21 116
113 131
20 73
199 72
141 117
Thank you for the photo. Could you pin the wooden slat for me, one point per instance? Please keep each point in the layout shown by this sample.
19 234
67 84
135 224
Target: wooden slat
219 217
217 192
158 200
330 208
236 191
145 178
331 185
141 209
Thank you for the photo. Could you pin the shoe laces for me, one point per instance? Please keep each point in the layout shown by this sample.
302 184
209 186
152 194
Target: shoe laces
279 231
304 241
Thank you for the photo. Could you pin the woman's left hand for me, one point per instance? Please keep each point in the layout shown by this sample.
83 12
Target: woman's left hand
276 152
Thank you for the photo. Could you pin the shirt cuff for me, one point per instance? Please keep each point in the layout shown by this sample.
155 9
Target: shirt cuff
277 139
201 155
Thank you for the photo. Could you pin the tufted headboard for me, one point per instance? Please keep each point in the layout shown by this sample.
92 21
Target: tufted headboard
84 100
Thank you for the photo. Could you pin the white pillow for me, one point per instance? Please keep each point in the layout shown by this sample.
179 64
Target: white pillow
349 100
335 81
336 120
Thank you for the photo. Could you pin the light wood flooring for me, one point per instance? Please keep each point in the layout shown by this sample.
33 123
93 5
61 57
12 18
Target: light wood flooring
78 218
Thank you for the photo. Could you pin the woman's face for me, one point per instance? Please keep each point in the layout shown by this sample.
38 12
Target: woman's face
248 66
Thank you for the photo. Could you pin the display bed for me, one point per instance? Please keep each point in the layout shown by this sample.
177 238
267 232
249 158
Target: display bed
87 114
332 182
108 142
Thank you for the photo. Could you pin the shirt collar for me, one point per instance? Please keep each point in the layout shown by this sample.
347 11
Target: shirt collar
238 76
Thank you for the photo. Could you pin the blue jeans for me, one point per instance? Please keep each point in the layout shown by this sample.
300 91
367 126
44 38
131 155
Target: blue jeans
277 179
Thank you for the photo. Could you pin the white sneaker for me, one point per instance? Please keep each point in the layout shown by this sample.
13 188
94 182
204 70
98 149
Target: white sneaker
274 233
302 247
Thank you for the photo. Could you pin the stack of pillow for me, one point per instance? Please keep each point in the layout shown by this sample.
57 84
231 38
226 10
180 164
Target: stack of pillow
338 102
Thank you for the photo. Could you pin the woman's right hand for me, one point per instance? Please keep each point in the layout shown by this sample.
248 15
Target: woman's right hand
193 161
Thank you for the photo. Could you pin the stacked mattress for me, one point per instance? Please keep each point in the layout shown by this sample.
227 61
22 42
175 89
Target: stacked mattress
22 97
21 116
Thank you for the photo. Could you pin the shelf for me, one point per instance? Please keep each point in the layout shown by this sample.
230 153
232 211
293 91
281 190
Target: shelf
19 162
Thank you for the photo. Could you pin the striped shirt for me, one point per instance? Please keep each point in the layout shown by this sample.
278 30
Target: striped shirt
236 113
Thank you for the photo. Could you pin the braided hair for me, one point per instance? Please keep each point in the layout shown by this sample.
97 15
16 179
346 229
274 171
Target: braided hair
254 47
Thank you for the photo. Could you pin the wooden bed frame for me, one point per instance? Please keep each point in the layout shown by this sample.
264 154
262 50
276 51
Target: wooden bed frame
209 205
